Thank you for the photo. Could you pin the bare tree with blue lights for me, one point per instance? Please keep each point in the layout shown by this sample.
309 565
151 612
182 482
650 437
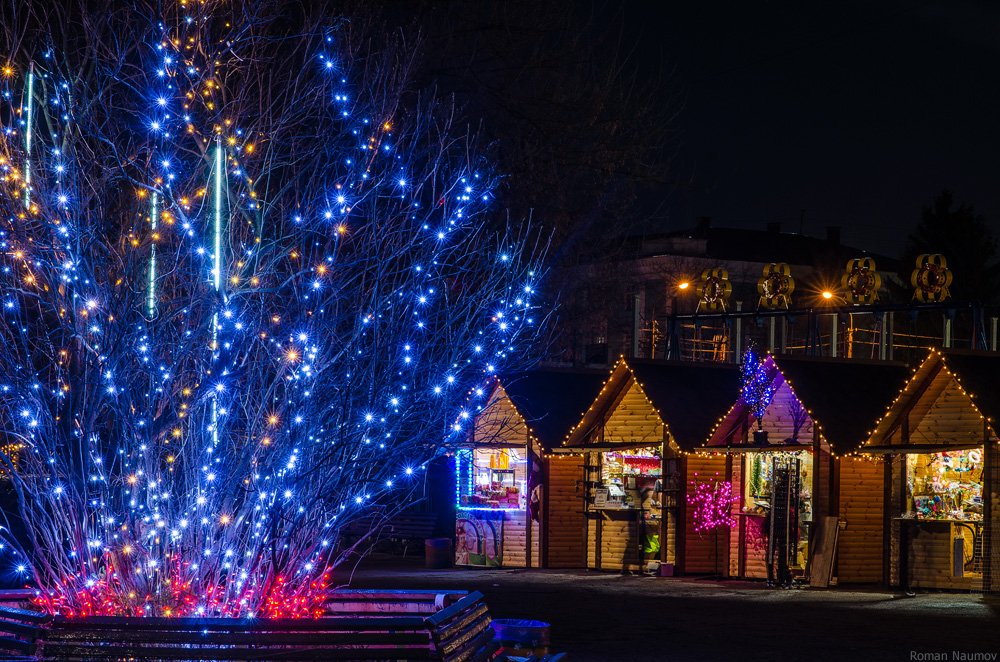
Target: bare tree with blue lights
249 282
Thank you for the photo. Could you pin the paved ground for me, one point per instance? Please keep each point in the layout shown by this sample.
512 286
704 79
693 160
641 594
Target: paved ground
609 617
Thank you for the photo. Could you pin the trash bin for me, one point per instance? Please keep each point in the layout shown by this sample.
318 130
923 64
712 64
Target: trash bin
438 553
521 637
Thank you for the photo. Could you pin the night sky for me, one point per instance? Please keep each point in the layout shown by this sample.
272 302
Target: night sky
858 113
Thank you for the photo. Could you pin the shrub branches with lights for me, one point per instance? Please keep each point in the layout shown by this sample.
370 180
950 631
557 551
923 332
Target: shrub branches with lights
248 284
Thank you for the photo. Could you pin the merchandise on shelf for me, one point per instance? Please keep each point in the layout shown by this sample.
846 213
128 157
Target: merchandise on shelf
945 486
631 479
492 478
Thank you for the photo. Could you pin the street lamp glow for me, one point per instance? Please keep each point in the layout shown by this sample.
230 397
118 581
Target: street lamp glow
683 285
827 294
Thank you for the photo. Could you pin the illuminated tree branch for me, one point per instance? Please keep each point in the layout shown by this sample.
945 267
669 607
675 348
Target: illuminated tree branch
245 303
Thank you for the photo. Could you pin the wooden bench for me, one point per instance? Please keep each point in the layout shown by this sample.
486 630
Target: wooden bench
452 626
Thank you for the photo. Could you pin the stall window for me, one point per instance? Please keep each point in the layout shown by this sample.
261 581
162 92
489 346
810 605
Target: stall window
630 479
759 479
945 485
492 479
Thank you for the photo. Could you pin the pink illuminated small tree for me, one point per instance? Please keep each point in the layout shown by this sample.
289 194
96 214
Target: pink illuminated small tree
712 504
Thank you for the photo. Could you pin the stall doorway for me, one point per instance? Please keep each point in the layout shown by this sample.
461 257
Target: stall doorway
777 498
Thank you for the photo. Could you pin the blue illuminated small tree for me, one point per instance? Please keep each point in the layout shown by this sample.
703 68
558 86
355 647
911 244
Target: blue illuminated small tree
757 390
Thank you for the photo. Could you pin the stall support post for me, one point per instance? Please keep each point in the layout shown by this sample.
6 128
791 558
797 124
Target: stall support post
886 519
543 524
991 462
528 547
599 524
680 518
663 502
741 536
904 529
819 508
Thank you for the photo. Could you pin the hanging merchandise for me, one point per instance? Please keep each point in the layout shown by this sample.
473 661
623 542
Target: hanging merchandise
783 532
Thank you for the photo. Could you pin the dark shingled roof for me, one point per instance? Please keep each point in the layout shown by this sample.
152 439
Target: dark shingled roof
979 373
691 397
553 400
846 396
749 245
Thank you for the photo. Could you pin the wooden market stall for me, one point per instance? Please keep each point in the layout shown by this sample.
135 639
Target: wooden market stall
502 509
939 447
805 501
632 453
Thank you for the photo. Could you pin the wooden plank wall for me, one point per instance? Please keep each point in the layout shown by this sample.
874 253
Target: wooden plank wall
785 420
515 541
670 551
500 422
565 512
634 419
536 544
991 546
703 552
756 547
931 557
859 550
619 536
945 415
736 478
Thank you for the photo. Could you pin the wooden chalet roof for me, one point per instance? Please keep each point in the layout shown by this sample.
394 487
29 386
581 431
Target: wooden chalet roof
551 400
844 397
690 397
961 386
979 374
